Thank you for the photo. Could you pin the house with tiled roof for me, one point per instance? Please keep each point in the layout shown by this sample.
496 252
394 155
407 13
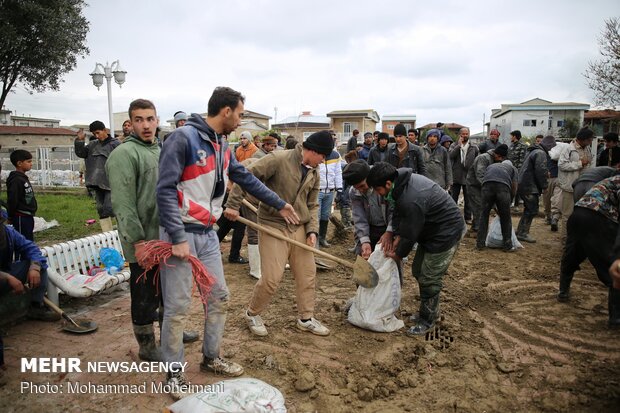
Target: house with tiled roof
345 121
302 125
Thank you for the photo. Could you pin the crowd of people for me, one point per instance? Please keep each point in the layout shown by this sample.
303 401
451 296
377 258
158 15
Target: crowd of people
190 188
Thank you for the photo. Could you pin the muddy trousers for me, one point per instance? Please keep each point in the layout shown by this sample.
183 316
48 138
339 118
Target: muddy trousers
302 264
590 236
474 193
552 199
498 194
176 285
530 210
145 295
429 269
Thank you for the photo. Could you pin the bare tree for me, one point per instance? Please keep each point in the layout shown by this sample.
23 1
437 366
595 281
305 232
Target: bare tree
603 76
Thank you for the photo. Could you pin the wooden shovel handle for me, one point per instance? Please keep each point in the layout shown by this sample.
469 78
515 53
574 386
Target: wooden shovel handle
296 243
59 311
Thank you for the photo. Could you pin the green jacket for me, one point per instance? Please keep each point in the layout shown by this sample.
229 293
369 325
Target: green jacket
132 170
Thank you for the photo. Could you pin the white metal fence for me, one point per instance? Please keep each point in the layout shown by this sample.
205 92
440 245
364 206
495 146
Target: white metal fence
51 166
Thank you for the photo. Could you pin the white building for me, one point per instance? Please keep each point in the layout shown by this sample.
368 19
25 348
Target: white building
534 117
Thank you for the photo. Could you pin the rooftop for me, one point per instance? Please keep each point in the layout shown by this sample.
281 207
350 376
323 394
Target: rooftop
31 130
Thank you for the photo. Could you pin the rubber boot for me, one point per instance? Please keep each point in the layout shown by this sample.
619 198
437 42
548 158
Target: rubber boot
564 293
145 336
323 234
345 214
613 305
428 315
554 224
523 229
106 224
254 257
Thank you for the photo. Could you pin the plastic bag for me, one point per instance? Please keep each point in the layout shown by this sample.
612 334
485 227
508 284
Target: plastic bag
111 259
237 395
495 239
374 308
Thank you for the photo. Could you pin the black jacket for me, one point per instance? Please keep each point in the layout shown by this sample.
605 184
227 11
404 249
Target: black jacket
414 158
424 213
20 195
96 154
377 155
533 172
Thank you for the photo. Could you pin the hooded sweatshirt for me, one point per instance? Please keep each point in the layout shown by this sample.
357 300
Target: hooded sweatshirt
20 195
194 168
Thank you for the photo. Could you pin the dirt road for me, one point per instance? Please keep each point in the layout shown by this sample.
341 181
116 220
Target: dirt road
505 344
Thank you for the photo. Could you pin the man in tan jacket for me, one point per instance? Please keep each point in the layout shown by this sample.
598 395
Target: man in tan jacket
293 175
574 160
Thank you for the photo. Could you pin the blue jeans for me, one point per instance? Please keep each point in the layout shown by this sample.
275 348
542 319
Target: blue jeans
176 286
326 199
19 270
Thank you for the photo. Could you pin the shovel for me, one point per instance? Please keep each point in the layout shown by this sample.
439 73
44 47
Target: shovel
80 326
363 273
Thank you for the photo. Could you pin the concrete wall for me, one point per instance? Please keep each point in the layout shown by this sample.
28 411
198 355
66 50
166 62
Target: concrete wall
546 122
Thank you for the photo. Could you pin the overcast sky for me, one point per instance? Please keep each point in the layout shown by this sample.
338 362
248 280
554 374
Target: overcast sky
449 61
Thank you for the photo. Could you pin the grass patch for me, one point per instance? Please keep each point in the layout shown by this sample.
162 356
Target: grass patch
71 212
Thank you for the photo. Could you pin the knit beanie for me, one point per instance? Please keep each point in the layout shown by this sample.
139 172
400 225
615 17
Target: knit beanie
399 130
502 150
432 132
355 172
548 142
320 142
246 134
179 116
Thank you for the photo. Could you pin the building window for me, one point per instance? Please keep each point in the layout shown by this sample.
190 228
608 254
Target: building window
23 124
407 126
560 124
307 135
529 122
391 127
346 129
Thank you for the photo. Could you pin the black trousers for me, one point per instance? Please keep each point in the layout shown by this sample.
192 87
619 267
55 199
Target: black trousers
24 224
495 193
455 192
589 235
530 204
103 200
146 295
224 227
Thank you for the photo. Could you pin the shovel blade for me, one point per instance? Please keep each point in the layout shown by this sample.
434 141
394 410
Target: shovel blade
364 274
84 326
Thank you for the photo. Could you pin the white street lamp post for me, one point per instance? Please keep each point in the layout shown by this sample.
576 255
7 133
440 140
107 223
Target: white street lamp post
108 71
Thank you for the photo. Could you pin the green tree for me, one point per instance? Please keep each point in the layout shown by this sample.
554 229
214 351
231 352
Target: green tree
40 41
570 128
603 76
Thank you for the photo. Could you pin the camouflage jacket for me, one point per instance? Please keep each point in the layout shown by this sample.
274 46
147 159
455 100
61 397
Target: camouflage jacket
516 154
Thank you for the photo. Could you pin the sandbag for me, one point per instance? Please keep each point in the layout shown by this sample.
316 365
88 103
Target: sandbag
495 239
374 308
236 395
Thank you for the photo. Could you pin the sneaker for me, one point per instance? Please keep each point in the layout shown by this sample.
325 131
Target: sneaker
177 385
219 365
255 323
314 326
42 313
